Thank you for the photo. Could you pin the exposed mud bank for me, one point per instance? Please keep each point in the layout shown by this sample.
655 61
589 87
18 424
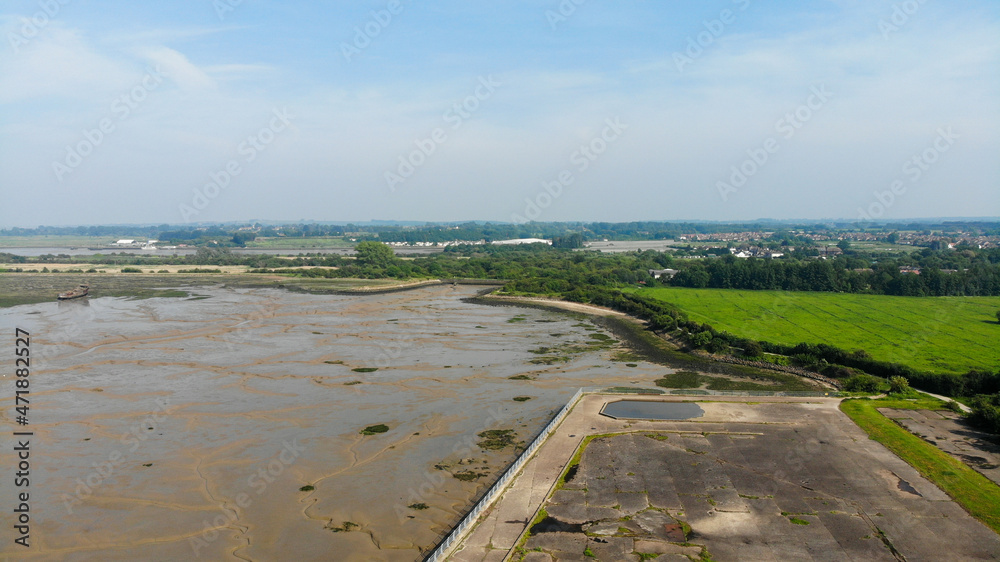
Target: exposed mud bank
235 416
649 346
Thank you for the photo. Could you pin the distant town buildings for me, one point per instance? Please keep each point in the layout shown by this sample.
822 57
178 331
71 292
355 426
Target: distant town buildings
134 244
523 241
755 252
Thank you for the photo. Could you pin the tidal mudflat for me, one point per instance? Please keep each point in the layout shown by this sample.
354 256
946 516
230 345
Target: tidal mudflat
232 423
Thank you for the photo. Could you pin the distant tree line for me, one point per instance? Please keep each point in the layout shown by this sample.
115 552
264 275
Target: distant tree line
973 273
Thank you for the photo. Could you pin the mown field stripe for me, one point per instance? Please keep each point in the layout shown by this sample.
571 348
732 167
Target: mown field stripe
834 320
952 330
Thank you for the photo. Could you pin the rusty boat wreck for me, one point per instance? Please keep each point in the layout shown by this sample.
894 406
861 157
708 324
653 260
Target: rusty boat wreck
80 291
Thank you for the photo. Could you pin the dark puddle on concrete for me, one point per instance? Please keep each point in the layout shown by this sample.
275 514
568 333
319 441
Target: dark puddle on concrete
906 487
648 410
571 473
978 462
553 525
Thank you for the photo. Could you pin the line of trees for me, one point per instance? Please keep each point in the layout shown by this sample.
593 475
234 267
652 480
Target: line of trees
970 274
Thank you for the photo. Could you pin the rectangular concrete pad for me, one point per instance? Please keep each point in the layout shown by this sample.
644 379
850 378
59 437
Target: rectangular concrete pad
805 459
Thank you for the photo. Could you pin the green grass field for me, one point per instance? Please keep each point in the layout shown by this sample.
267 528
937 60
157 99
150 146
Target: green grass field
938 334
291 243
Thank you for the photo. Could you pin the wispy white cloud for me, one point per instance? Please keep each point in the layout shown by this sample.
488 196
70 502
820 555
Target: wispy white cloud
179 68
237 71
60 65
167 35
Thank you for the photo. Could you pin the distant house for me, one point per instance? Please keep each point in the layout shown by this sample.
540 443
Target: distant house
657 273
754 252
124 242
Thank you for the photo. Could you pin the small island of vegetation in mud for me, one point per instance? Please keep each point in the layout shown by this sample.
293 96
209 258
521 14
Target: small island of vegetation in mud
375 429
469 475
496 439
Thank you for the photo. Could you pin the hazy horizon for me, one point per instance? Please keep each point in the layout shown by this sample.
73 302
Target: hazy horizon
417 223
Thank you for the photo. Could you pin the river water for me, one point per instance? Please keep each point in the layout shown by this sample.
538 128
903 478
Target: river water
186 428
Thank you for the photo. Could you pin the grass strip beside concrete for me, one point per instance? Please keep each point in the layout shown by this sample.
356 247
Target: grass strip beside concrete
974 492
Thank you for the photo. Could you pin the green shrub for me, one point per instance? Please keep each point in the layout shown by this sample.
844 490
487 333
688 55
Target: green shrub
701 339
865 383
986 412
898 385
752 349
717 345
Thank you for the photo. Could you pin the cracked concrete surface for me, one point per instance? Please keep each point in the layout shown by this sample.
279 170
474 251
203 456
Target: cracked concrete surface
773 479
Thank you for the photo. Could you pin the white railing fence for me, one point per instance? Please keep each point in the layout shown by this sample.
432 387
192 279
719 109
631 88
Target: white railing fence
458 532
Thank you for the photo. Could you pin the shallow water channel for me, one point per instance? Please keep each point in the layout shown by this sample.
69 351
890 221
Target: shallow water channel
229 424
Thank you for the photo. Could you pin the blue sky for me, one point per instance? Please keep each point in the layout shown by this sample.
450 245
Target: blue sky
586 110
